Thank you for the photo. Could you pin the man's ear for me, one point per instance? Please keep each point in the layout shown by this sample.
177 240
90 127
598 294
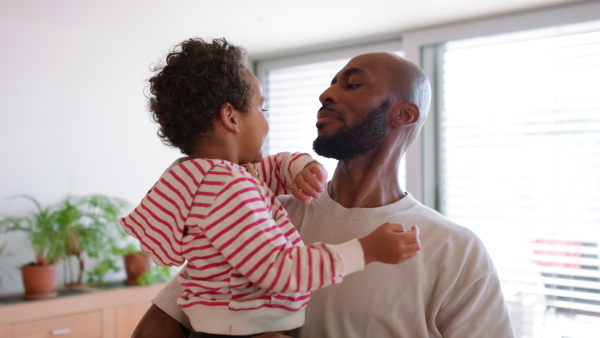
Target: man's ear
229 117
406 114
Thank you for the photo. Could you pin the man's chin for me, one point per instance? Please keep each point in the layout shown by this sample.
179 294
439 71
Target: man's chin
322 147
325 129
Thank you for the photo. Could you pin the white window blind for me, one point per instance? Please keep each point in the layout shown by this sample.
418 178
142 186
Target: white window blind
520 165
293 101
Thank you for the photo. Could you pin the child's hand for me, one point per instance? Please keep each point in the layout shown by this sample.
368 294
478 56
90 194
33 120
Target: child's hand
310 182
391 244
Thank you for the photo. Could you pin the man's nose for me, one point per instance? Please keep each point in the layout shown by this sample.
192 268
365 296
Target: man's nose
328 96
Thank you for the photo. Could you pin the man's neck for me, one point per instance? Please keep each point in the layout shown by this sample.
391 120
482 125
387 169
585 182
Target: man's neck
361 184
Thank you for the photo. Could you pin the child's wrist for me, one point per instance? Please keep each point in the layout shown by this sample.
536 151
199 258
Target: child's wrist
313 162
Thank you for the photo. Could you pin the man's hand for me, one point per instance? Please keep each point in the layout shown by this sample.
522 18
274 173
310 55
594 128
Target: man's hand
310 182
391 244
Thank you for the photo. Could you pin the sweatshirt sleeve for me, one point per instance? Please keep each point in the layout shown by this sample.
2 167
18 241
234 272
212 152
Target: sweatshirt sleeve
158 221
473 294
466 306
266 249
278 171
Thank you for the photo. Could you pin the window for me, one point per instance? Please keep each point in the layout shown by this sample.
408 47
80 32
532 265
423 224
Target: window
293 101
519 163
292 93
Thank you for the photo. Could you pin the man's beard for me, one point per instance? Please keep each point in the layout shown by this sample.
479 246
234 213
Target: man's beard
350 142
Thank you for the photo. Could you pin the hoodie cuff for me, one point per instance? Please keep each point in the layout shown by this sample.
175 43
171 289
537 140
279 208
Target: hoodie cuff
353 256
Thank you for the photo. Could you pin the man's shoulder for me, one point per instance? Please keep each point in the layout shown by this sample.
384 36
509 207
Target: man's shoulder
434 218
439 228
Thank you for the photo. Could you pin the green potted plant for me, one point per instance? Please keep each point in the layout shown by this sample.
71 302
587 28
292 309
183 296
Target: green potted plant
137 264
74 226
139 268
49 244
120 251
155 274
92 227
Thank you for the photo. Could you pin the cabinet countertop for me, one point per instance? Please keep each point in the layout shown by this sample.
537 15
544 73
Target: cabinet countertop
84 298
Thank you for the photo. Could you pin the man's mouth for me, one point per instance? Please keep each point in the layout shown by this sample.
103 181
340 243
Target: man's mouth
326 114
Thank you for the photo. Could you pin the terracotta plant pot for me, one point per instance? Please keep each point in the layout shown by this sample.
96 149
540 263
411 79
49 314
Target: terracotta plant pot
135 266
39 281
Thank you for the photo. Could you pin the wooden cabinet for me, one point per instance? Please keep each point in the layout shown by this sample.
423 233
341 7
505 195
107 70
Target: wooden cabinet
89 312
5 331
85 325
127 318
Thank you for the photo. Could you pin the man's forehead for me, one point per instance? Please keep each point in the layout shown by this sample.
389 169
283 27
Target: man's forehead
370 58
367 63
347 71
364 64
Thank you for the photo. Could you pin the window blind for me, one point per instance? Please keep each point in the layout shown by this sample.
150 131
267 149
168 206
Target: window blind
293 101
520 165
292 96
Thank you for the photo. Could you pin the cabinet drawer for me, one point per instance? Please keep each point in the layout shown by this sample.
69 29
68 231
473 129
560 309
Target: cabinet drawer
127 318
4 331
84 325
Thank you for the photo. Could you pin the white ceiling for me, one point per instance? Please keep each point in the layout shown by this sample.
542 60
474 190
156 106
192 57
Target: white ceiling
262 26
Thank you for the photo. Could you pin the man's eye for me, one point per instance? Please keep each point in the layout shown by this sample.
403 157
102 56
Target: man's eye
352 85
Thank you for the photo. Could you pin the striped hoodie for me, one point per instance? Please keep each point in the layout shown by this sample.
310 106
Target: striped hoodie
247 269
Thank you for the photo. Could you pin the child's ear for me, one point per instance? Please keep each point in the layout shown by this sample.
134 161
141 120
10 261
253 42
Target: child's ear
229 117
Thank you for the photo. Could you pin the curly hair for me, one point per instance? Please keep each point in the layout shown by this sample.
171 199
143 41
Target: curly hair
189 90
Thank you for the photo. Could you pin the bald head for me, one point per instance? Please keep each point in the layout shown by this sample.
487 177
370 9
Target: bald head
407 81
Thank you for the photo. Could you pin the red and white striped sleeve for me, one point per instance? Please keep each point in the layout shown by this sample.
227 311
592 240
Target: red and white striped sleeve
158 221
263 245
278 171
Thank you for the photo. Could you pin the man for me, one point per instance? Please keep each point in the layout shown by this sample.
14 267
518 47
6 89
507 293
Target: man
372 112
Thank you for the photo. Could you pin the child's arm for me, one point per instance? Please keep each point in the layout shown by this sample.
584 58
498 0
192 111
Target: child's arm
278 171
158 221
310 182
295 173
271 255
391 244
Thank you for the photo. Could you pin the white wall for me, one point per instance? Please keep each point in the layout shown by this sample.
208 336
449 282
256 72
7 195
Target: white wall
73 120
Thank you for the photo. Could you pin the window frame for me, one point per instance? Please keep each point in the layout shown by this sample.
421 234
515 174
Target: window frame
424 45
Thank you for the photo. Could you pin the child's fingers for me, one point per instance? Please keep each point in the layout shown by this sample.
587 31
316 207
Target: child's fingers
407 257
319 171
309 188
415 228
412 248
410 237
312 181
300 195
396 227
309 183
